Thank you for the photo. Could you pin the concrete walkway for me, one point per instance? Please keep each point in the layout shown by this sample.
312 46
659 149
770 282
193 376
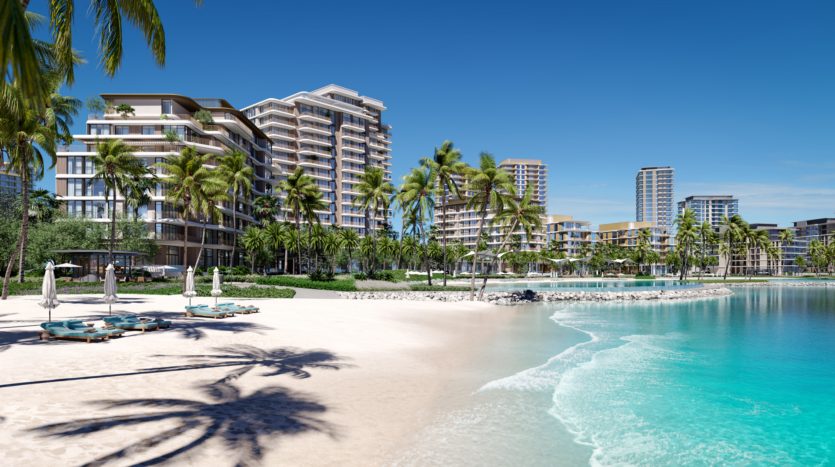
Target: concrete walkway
300 293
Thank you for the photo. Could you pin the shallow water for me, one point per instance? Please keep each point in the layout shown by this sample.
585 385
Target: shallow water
595 286
741 380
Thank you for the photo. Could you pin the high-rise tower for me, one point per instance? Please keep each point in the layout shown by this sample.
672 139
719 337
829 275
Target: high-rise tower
654 196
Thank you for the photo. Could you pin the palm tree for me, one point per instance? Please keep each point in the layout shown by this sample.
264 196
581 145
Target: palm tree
418 191
397 199
266 207
644 243
446 162
253 241
235 173
524 213
114 164
815 250
705 230
374 193
25 134
332 245
42 203
137 189
410 247
732 232
299 187
316 240
787 238
188 178
492 188
25 58
206 200
384 244
275 236
350 240
686 235
310 204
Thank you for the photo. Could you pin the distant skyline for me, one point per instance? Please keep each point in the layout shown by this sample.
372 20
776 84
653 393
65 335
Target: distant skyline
737 96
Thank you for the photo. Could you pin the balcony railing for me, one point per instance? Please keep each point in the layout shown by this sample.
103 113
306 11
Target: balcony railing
317 114
313 137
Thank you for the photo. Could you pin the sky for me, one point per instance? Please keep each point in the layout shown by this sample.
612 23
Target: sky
737 96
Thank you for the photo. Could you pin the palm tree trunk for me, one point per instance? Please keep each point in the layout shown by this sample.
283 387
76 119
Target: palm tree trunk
730 257
490 264
185 245
333 263
234 229
24 227
202 243
475 255
425 251
374 242
443 229
298 237
9 267
286 254
402 229
112 220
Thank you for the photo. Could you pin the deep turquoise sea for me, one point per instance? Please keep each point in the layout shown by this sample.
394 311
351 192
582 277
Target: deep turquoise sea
744 380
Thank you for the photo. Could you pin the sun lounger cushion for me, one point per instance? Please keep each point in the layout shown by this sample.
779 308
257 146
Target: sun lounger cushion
129 321
58 329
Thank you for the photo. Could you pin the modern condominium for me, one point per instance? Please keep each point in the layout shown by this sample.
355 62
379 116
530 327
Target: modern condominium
568 235
626 234
462 224
654 196
156 116
335 135
756 261
10 181
710 209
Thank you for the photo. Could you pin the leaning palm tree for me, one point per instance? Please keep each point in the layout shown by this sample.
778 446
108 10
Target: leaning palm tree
418 191
187 177
299 187
446 162
235 173
374 194
525 213
114 164
492 187
26 140
24 58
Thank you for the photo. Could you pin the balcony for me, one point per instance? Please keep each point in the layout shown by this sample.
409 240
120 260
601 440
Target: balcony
381 147
283 135
314 162
316 116
355 170
314 139
316 128
351 136
353 147
352 125
275 108
377 155
314 151
240 123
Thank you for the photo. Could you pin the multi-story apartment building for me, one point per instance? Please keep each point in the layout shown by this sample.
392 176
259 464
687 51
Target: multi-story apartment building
462 224
10 181
335 135
156 115
823 229
710 208
626 234
529 172
755 261
567 234
654 189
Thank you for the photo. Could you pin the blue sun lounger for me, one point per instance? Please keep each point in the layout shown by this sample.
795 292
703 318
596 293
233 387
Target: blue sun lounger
131 322
59 330
205 311
237 309
78 325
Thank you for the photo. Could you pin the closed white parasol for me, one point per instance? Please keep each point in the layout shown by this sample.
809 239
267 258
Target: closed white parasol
110 296
216 285
189 285
50 295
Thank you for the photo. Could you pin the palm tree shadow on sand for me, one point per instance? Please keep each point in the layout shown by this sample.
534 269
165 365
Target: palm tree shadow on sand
244 424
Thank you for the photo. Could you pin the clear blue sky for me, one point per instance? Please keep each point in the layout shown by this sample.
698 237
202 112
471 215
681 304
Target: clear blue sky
737 96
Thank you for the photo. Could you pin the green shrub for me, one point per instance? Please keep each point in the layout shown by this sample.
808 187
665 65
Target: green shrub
227 278
644 277
222 269
341 285
231 291
321 276
240 271
198 272
360 276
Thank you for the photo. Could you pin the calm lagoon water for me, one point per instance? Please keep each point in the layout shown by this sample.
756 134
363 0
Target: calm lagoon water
742 380
595 286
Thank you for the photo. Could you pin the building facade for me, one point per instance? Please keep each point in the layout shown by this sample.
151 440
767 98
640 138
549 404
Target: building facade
755 261
625 234
10 181
155 116
710 209
654 190
566 235
529 173
335 135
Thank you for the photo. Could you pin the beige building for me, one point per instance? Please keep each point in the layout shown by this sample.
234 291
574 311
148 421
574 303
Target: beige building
462 224
335 135
755 261
568 235
156 115
625 234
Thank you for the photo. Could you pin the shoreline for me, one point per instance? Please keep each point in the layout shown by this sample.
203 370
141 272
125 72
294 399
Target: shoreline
315 383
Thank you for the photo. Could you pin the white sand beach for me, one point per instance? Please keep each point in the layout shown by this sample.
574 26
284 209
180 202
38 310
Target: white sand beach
303 383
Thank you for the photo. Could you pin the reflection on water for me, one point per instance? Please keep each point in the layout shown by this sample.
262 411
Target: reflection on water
597 286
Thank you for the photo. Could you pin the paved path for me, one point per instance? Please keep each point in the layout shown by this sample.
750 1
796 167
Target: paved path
300 293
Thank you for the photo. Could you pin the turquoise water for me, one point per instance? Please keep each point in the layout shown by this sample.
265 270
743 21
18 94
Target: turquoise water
595 286
745 380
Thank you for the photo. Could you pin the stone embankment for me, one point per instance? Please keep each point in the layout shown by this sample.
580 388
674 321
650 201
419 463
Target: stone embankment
783 284
512 297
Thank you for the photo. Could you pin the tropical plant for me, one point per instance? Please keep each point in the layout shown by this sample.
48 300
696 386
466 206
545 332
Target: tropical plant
787 238
418 191
188 178
686 235
491 187
331 246
42 204
299 188
237 175
410 247
125 110
446 163
206 199
253 241
137 188
204 116
24 58
374 194
266 207
114 163
733 230
95 105
350 240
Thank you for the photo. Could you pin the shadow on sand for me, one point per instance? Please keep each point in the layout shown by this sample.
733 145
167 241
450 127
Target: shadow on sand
246 425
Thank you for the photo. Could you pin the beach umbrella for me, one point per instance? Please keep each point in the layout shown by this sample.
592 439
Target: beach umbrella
110 296
216 285
189 285
50 295
67 265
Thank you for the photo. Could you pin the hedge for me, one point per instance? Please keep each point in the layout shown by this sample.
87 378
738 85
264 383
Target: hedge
346 285
229 278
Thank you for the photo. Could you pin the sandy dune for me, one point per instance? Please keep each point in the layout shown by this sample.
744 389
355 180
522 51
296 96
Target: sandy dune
304 382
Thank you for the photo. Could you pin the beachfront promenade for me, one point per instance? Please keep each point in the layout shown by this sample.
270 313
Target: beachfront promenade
303 382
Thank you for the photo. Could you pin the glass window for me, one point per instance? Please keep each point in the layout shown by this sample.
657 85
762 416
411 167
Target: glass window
166 106
173 256
122 130
147 129
99 129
